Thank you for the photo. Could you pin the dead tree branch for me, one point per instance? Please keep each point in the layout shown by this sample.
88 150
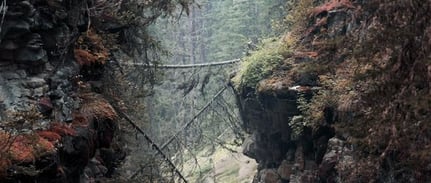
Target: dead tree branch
153 145
187 124
193 119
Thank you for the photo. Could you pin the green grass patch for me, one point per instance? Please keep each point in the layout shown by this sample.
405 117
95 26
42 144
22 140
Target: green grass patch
260 64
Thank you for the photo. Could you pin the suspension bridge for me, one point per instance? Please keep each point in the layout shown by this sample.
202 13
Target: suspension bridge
160 148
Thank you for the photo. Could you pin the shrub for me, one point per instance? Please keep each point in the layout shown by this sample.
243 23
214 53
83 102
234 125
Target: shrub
331 5
95 107
297 18
90 49
259 65
27 148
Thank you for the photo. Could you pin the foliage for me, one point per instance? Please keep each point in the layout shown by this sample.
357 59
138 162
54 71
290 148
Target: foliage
213 31
26 148
296 20
116 28
90 49
23 148
258 65
219 30
331 5
110 22
289 50
374 74
378 89
393 73
62 129
16 146
22 120
52 137
5 143
140 14
94 107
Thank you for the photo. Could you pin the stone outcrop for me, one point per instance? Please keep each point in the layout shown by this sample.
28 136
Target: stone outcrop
287 149
67 135
370 123
282 157
35 54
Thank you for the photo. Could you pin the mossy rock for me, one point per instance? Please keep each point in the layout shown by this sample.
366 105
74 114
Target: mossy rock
259 65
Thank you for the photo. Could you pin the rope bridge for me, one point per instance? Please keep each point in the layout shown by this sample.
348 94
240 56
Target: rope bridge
186 66
159 148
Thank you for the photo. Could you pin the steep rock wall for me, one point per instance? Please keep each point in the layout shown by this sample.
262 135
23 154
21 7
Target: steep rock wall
282 156
35 53
54 129
287 149
371 61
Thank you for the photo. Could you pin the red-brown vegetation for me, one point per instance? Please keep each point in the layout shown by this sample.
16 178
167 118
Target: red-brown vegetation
84 57
62 129
331 5
377 74
381 87
95 107
90 49
5 142
305 54
79 120
26 148
50 136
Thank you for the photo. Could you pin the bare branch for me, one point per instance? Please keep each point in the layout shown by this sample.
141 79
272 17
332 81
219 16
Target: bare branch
193 119
183 66
153 145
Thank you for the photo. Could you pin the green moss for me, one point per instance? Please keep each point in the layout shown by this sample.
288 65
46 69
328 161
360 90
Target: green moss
260 64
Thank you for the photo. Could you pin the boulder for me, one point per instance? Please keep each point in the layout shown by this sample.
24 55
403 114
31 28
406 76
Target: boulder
269 176
285 170
45 105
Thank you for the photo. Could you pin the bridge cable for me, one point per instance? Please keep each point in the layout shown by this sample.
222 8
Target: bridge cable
186 125
153 145
193 119
182 66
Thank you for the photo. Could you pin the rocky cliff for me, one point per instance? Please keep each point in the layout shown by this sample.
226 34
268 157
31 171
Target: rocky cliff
54 128
350 101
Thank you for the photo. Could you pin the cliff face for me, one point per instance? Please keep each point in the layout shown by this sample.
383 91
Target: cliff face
282 156
285 148
36 54
349 103
53 128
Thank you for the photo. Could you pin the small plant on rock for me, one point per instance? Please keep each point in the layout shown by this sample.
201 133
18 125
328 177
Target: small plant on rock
259 65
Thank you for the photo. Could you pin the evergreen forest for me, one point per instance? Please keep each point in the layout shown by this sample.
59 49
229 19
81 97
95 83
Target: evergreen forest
215 91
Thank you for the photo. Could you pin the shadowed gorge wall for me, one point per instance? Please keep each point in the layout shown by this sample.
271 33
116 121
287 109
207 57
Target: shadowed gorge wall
366 66
54 129
342 96
59 81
